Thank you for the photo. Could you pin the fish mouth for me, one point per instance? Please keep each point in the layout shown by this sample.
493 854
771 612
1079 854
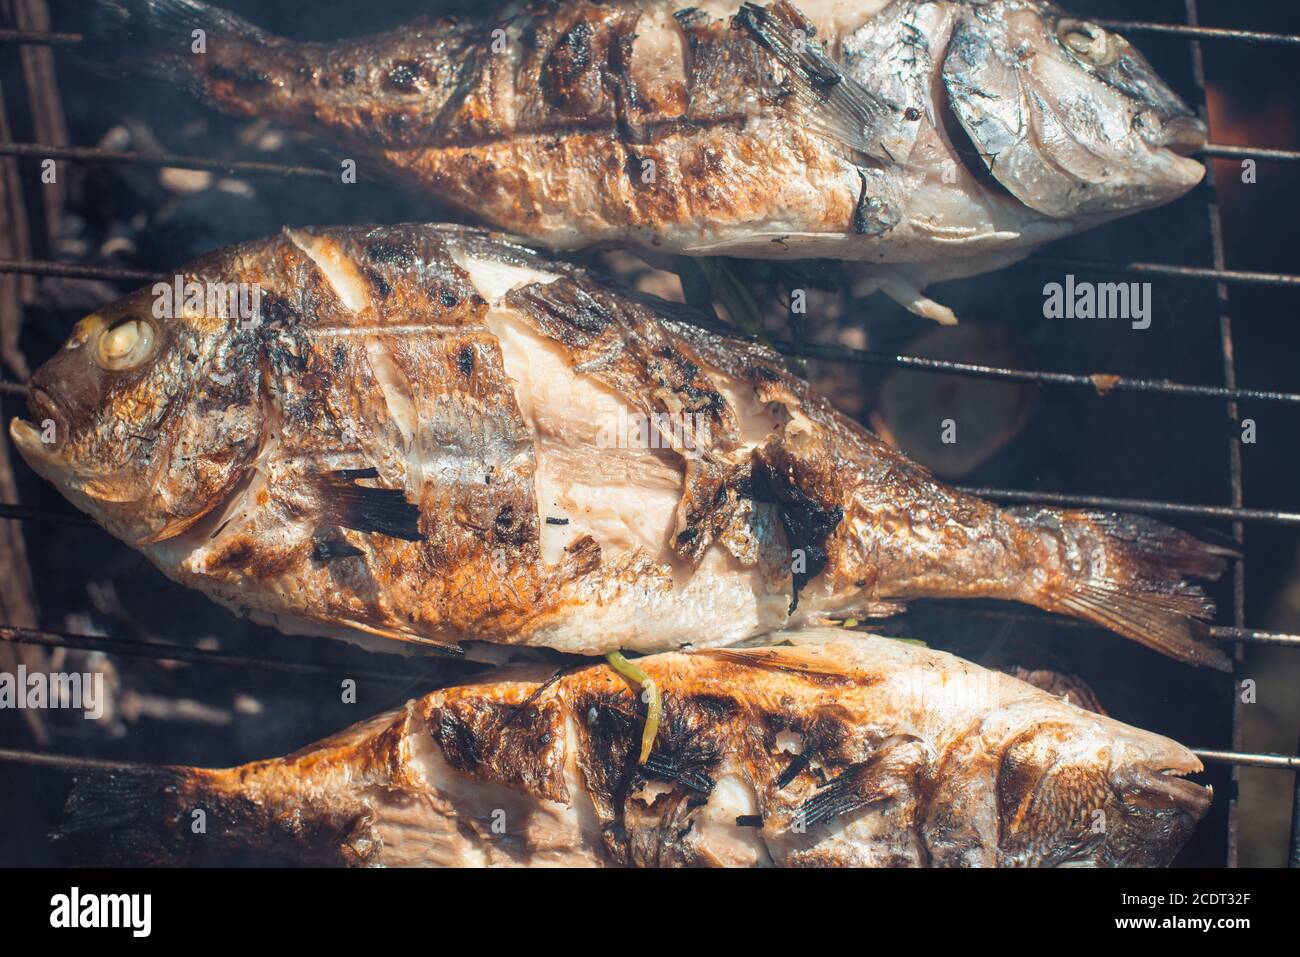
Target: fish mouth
27 437
1181 134
1161 786
1187 135
44 406
31 437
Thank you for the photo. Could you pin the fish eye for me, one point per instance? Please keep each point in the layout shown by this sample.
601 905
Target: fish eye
1089 42
125 346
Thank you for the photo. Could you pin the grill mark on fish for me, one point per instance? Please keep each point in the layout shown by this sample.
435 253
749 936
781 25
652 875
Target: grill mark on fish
465 360
477 740
400 255
518 710
405 76
807 523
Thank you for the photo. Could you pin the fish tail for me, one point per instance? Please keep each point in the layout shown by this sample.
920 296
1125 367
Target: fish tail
145 815
130 815
1126 573
204 48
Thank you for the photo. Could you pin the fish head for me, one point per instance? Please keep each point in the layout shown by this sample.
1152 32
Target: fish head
1066 115
146 415
1082 790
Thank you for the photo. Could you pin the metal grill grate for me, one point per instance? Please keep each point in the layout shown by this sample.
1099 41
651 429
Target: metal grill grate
1229 393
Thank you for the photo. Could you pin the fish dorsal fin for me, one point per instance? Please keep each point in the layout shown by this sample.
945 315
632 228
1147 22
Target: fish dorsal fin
889 774
829 101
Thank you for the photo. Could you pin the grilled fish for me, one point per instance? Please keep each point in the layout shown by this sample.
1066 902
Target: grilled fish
934 139
868 752
433 434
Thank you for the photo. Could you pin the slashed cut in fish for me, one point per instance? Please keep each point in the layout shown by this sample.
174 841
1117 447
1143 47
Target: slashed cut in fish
867 752
433 434
933 139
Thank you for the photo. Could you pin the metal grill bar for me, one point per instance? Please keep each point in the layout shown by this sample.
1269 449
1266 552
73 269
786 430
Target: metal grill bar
172 652
1231 513
41 37
1252 636
1284 762
25 514
1097 383
1227 512
1166 270
1293 857
1236 491
45 38
94 154
39 267
1224 151
1196 33
1238 277
67 762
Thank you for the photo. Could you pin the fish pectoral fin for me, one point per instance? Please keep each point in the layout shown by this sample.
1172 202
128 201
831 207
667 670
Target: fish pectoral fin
832 103
364 508
908 295
888 774
876 608
732 292
670 768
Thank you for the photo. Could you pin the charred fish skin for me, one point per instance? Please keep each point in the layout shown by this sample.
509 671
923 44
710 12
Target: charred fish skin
832 752
864 131
433 434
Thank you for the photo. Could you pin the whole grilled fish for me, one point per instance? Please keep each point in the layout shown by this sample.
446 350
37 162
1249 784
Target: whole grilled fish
432 434
933 138
868 752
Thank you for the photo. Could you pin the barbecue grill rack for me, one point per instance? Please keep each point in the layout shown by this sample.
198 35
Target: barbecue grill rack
1230 394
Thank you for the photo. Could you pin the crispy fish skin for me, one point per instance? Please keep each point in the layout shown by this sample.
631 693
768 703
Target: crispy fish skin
435 435
859 752
866 131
